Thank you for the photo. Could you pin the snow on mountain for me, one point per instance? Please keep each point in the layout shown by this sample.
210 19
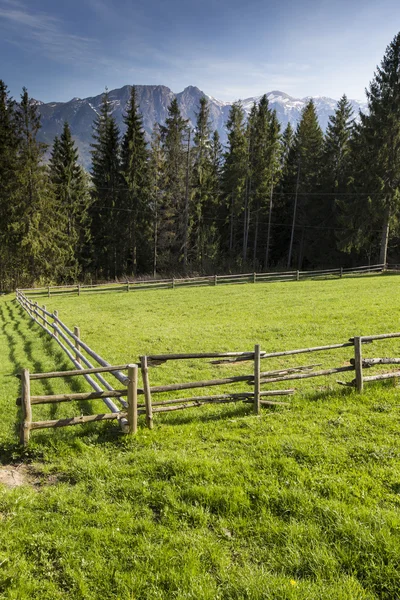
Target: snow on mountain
153 103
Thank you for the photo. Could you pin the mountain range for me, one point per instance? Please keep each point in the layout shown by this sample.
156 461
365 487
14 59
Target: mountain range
153 104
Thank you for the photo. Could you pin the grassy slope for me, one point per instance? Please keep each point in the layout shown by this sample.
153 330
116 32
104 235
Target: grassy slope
300 503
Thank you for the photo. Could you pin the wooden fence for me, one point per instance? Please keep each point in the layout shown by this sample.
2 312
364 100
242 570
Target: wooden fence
74 347
259 378
27 400
213 280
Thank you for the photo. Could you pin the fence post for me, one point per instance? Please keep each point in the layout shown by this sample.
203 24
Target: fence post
257 379
26 408
297 275
254 277
341 272
44 317
77 333
173 283
215 279
132 398
358 363
55 323
79 289
127 285
48 291
147 392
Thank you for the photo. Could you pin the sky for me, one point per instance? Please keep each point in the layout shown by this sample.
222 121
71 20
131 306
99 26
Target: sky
230 49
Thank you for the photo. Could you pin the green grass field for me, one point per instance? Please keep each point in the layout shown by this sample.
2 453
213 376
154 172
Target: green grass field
214 503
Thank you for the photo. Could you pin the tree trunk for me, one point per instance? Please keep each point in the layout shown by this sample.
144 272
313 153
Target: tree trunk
269 226
294 219
231 225
255 241
385 236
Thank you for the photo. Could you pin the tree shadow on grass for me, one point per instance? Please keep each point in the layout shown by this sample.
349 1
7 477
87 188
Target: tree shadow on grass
21 332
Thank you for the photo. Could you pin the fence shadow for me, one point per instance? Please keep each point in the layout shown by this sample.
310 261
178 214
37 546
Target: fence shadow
14 327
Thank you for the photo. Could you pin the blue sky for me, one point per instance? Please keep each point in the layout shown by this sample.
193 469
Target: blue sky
228 48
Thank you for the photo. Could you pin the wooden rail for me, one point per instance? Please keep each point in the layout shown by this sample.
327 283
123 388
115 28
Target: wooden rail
208 280
27 400
75 349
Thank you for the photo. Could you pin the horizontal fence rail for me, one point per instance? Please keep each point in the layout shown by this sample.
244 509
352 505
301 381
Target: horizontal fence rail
130 408
27 401
74 348
207 280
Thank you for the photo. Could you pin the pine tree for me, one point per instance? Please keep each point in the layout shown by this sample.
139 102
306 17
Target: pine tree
9 145
264 169
286 144
135 171
234 176
335 174
156 174
106 216
302 180
202 199
42 247
72 192
251 137
174 211
378 139
212 208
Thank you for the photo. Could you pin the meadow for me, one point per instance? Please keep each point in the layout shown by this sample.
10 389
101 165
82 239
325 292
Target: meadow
301 502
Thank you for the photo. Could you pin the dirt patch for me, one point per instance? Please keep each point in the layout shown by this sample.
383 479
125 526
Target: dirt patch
13 476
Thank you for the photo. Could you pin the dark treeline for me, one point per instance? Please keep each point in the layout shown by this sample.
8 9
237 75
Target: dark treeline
183 203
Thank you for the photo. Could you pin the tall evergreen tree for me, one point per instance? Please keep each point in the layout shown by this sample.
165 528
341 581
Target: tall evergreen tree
136 191
301 183
234 176
174 212
106 214
202 193
286 144
72 192
251 136
335 175
156 173
9 145
376 185
38 227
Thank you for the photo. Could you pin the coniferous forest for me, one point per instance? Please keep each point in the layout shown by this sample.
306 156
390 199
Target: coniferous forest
183 203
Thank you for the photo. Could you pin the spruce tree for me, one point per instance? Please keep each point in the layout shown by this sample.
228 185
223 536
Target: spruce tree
202 199
286 144
251 137
264 168
301 184
106 214
335 174
212 209
9 145
174 210
72 192
156 176
43 249
378 139
234 176
136 190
